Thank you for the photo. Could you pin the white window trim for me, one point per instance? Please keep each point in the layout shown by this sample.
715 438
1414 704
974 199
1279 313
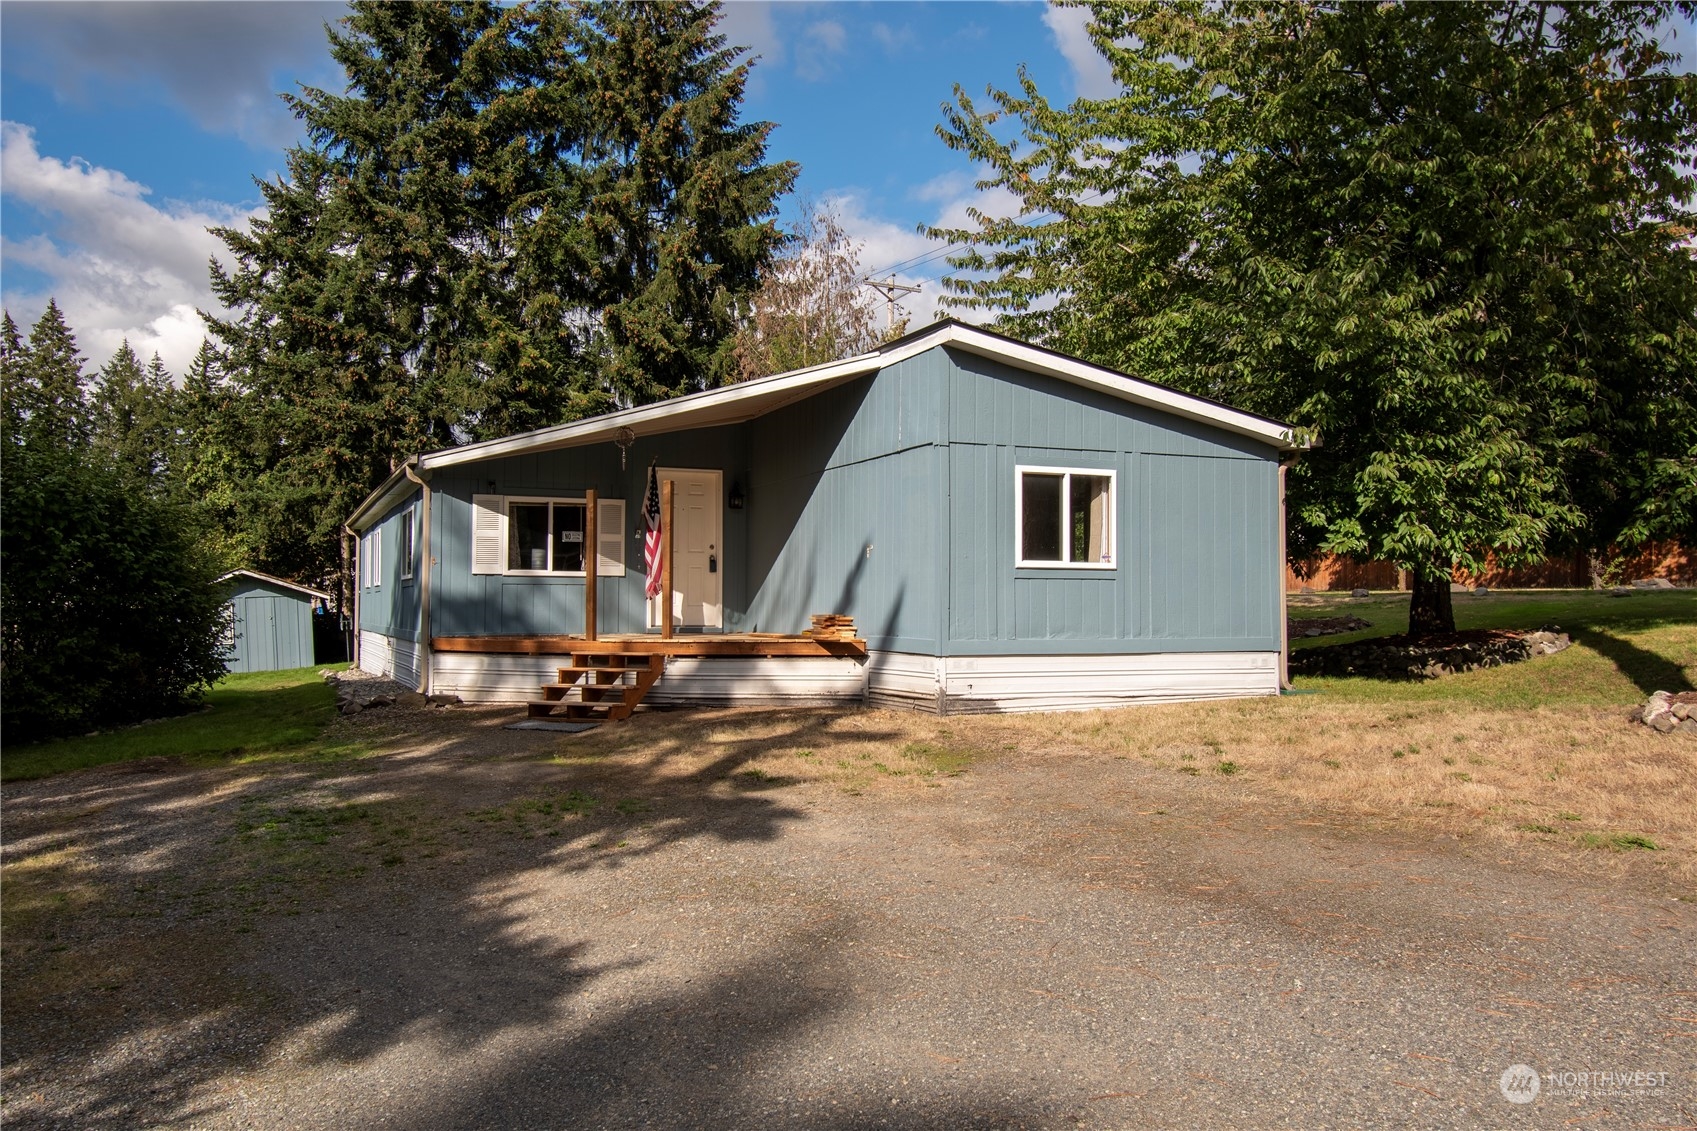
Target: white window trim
1019 473
569 500
374 558
408 545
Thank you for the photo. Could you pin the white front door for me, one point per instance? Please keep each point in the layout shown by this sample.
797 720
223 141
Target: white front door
698 549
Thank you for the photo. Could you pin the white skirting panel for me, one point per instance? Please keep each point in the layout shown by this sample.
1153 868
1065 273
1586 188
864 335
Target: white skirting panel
994 684
387 656
796 681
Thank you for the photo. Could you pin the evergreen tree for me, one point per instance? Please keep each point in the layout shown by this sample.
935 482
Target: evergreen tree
512 217
50 389
675 225
109 607
1445 237
131 410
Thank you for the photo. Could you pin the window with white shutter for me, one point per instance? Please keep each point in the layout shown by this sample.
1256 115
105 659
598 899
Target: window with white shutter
523 536
488 534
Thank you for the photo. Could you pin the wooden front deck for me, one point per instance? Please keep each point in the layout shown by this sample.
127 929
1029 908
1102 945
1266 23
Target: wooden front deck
651 644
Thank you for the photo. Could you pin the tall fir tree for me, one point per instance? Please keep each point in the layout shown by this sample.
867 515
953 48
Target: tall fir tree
131 412
50 389
1451 239
111 610
512 217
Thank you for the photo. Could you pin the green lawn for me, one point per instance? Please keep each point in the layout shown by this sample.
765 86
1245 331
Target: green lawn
251 715
1624 647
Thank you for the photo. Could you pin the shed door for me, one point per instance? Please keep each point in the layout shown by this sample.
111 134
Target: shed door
698 545
265 644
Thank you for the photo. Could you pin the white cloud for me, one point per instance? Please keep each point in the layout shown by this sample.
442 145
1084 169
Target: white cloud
819 48
893 40
119 266
890 249
1092 77
748 24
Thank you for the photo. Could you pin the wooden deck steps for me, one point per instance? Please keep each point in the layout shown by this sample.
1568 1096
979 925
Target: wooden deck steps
599 686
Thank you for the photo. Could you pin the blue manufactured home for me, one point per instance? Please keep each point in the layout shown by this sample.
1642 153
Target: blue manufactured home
1010 528
270 622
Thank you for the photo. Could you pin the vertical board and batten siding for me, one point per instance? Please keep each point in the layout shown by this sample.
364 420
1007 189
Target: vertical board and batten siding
468 604
272 626
389 612
1196 525
391 607
844 498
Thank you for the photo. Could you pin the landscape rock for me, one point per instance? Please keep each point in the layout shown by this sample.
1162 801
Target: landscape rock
1481 591
1652 583
351 708
1665 712
443 700
410 699
1358 593
1620 591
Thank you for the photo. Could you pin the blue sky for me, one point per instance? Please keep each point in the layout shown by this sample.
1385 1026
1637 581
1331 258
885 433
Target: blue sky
132 127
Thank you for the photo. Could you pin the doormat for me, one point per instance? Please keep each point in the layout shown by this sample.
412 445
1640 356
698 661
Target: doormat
550 724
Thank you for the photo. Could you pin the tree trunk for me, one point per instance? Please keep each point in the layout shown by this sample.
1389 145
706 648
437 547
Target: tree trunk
1429 609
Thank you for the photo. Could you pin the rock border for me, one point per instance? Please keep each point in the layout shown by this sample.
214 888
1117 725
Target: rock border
1399 657
358 691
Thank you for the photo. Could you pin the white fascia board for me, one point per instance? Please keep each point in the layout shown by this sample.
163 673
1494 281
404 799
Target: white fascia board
734 404
269 580
377 504
1077 372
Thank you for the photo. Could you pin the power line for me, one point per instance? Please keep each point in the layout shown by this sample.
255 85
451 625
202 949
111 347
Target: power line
913 261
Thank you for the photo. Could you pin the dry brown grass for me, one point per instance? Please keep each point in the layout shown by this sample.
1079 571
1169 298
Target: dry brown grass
1579 777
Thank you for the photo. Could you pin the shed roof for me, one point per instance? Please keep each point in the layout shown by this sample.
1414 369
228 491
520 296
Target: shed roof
734 404
269 580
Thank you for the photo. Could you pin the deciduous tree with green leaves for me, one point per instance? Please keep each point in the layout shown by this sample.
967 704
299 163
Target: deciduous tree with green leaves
1452 240
812 306
512 217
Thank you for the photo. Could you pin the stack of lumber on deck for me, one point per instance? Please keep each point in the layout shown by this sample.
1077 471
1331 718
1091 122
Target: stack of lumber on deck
831 626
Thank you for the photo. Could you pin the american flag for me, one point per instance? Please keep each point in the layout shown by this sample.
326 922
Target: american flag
651 533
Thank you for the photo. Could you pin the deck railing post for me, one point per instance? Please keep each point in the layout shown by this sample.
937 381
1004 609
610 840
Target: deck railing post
591 554
666 559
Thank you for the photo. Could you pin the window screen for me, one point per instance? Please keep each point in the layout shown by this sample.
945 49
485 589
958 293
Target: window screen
1040 526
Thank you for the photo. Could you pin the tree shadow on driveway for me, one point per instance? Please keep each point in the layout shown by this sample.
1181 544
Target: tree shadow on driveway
171 932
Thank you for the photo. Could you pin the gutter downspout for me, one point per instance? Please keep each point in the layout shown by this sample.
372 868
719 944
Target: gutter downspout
1284 589
350 555
425 656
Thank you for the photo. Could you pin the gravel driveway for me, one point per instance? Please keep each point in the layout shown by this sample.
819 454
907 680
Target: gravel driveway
465 934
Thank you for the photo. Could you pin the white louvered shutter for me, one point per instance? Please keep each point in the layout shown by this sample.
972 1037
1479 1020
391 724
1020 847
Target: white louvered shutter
488 533
610 538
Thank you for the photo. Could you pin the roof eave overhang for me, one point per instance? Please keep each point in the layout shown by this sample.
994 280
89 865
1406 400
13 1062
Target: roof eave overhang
736 404
284 582
391 491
